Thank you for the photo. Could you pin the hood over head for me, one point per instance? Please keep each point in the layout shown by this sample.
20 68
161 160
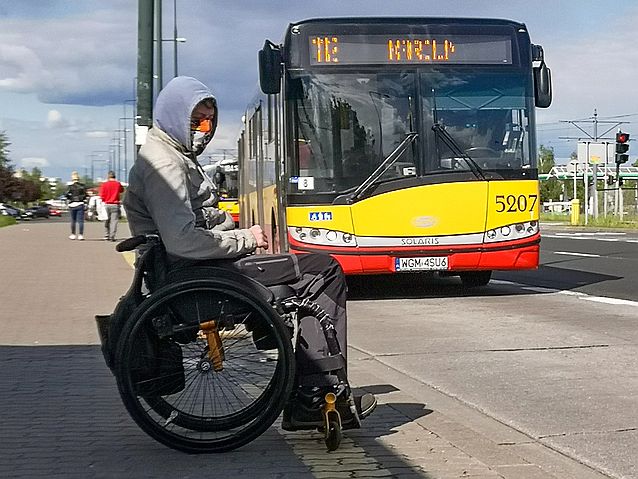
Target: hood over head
175 104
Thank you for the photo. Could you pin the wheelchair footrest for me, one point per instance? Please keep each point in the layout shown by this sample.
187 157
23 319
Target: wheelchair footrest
324 365
306 412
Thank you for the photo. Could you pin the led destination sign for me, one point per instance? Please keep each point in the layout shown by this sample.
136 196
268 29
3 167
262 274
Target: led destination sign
413 49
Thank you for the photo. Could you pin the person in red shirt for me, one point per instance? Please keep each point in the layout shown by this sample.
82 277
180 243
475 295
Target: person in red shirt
110 192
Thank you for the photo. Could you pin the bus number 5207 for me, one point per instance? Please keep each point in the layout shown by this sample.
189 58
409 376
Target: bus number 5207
515 203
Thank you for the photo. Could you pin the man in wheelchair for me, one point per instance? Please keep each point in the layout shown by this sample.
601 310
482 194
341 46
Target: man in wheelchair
169 194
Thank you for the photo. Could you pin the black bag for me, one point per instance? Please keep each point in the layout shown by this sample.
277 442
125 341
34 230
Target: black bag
270 269
159 367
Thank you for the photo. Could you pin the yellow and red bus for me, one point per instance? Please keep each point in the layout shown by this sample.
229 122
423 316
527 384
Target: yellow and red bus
225 175
398 144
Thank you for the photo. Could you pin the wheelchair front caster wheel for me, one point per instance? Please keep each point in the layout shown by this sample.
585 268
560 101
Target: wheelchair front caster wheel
332 423
333 435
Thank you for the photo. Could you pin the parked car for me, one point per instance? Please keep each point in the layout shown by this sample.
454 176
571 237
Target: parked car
8 210
40 211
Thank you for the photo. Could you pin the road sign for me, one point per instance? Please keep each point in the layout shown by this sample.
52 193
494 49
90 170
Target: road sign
593 153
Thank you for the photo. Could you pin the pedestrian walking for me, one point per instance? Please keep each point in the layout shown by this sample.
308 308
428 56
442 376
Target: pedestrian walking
110 192
76 196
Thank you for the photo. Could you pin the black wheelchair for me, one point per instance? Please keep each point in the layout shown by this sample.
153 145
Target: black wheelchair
204 357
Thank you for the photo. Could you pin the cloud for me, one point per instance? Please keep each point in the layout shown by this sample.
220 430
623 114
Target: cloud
29 163
55 120
97 134
85 53
86 59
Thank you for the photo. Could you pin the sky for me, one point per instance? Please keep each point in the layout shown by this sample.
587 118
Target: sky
68 67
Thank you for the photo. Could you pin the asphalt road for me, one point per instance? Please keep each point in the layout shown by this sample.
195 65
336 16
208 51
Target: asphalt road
603 263
552 353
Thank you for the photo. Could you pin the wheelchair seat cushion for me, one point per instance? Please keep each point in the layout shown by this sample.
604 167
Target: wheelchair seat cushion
211 272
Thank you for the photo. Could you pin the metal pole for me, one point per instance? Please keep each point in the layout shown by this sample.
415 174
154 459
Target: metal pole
617 201
586 182
621 200
595 189
606 182
175 35
145 62
125 152
119 155
158 46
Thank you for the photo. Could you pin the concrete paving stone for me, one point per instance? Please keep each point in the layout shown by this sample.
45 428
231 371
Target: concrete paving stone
530 471
331 475
554 462
380 473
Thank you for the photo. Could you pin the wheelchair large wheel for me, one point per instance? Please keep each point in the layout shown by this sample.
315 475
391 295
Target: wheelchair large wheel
205 365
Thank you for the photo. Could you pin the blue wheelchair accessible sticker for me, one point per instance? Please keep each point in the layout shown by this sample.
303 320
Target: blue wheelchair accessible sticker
320 216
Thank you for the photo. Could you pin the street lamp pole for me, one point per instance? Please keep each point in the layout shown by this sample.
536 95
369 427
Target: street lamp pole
134 117
92 155
175 35
158 35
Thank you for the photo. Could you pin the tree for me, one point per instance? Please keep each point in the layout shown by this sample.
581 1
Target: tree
7 180
25 189
35 177
551 188
546 159
4 150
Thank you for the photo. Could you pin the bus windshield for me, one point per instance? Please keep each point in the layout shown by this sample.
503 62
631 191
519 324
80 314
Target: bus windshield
347 123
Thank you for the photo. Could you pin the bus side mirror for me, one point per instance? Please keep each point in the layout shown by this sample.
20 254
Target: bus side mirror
542 86
270 68
542 78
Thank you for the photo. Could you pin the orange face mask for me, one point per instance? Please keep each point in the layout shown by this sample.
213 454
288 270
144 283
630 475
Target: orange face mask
204 126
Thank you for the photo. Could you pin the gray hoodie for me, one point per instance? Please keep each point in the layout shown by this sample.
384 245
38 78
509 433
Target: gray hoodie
168 191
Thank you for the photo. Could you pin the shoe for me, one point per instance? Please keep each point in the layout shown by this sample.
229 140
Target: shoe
106 238
80 237
71 237
302 414
365 404
299 417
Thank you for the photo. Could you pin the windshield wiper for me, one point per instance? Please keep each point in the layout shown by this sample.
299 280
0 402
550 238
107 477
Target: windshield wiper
454 147
378 173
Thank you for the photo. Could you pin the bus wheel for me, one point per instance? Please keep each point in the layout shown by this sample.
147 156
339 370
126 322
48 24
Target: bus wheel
472 279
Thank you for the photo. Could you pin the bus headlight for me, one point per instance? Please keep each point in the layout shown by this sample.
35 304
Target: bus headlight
331 235
512 232
320 236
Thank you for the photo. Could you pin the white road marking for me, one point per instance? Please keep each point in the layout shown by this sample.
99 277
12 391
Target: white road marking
600 299
570 253
589 233
583 296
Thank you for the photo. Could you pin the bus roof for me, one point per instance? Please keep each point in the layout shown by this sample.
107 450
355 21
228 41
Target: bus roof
410 20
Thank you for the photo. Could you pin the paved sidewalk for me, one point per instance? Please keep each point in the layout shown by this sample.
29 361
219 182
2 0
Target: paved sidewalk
62 416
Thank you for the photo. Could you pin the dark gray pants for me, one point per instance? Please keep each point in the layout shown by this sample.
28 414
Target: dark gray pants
317 277
112 217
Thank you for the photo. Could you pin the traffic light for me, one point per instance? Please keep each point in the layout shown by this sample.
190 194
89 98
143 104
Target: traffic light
622 145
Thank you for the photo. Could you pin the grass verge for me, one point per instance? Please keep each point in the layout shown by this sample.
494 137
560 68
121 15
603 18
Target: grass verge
7 220
610 221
